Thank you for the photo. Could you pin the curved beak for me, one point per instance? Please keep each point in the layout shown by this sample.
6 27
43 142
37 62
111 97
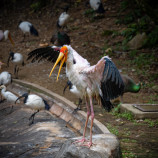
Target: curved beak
61 58
11 40
19 98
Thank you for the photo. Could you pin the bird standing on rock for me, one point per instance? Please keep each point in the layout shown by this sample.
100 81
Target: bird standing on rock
34 102
6 35
101 81
17 59
27 27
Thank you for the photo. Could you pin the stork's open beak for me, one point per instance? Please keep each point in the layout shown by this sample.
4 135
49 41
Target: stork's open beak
61 58
11 40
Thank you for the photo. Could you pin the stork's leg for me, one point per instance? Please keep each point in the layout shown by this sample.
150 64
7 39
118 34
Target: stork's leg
32 117
15 70
89 144
84 132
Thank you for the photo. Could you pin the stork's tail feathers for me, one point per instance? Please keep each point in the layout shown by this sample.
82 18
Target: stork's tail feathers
106 104
47 106
33 30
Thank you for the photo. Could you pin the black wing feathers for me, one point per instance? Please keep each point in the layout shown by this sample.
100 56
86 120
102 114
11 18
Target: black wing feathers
112 84
48 53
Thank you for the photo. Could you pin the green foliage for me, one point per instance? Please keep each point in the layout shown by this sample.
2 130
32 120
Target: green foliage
150 122
143 60
107 32
35 6
127 115
112 129
128 154
152 40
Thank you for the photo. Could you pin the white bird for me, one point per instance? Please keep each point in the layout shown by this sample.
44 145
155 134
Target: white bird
101 81
17 59
63 18
73 89
27 27
9 96
97 6
34 102
5 36
5 78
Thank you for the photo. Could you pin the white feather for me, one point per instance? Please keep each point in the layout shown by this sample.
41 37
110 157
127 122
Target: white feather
35 102
25 26
5 78
10 97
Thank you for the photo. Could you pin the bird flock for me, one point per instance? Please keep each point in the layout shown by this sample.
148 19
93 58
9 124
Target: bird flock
102 81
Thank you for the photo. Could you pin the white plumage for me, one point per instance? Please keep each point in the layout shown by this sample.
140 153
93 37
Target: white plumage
97 5
27 27
17 59
5 78
34 102
9 96
63 18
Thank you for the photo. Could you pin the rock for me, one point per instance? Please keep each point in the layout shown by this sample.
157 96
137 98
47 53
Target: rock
137 41
104 146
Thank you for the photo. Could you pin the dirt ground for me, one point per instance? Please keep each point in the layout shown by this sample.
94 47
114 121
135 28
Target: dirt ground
86 38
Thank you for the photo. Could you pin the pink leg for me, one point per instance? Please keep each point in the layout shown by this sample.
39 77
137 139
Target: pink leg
84 132
89 144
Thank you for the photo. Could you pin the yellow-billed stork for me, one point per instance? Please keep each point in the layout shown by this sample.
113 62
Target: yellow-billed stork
97 6
34 102
17 59
27 27
101 81
5 36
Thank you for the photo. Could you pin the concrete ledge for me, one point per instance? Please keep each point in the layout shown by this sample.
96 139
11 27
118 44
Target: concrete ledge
64 110
137 113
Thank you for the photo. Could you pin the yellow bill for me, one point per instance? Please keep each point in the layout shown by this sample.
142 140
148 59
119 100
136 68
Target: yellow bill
61 58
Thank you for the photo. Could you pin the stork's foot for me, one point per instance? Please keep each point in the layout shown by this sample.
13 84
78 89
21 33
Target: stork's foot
80 141
88 144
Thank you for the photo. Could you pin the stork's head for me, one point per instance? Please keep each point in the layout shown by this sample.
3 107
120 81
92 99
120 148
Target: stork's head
62 57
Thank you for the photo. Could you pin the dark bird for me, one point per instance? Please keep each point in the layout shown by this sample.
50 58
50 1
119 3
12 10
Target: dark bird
130 86
17 59
97 6
34 102
27 27
102 81
60 38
